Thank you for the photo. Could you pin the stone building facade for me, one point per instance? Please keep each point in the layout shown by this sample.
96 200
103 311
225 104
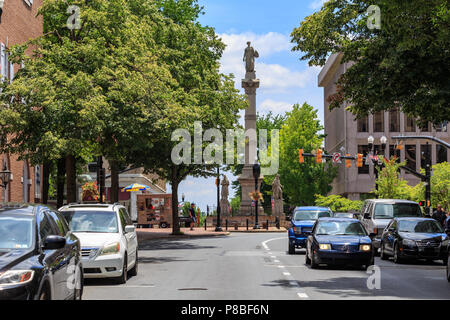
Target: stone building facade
18 24
344 131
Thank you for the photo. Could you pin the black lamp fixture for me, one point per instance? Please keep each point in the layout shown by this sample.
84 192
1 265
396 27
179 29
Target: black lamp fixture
256 174
2 2
5 177
182 197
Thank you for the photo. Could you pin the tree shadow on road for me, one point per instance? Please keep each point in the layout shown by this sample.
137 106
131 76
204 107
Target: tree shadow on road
172 244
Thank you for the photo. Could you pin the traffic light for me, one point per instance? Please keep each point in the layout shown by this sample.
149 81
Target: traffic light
359 160
319 156
348 162
422 203
301 159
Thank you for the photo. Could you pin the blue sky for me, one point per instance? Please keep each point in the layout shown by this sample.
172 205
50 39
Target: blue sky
285 80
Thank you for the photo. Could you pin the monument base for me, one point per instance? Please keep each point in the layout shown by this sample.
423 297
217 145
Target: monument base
247 182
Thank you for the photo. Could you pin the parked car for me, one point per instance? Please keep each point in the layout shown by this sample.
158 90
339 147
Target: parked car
339 241
39 256
302 220
348 215
448 264
109 245
377 213
414 238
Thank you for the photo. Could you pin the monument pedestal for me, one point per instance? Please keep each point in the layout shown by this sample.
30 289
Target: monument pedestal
247 182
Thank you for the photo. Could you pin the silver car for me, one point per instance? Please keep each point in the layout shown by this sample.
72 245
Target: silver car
377 213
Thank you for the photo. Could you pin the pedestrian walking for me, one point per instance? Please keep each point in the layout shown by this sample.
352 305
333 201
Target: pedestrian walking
439 215
192 215
447 224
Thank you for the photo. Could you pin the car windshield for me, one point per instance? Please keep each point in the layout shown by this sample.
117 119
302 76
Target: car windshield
92 221
347 228
16 233
389 211
420 226
343 215
302 215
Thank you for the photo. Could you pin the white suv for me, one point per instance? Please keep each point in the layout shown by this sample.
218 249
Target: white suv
109 246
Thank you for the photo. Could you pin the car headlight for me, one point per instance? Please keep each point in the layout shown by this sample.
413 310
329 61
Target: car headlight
409 243
325 246
365 247
112 248
13 277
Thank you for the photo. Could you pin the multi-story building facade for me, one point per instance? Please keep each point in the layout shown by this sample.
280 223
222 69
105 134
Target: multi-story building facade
343 131
19 23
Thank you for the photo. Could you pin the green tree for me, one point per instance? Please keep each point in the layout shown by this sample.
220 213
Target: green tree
390 184
338 204
404 63
302 182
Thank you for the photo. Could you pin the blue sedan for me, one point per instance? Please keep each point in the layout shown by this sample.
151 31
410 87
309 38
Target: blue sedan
340 241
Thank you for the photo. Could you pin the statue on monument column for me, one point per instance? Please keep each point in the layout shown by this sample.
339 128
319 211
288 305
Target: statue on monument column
249 57
277 190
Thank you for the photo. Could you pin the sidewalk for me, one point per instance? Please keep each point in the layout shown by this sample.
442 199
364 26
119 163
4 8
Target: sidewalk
157 233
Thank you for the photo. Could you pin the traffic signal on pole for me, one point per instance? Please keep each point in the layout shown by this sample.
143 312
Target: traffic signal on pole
422 203
359 160
301 159
348 162
319 156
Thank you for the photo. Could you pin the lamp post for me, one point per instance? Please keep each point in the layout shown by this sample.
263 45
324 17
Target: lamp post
256 174
5 177
370 142
218 227
182 198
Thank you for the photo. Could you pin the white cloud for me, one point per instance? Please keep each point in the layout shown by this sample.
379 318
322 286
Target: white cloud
275 106
274 77
316 4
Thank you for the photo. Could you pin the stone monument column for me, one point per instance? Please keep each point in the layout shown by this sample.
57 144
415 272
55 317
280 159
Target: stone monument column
250 84
277 196
224 203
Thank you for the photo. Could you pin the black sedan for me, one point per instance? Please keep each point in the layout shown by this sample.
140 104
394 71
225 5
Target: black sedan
39 257
414 238
341 241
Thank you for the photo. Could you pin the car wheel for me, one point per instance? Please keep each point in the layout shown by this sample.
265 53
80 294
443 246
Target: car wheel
314 265
45 295
397 258
383 254
448 270
123 278
163 225
291 248
134 270
79 286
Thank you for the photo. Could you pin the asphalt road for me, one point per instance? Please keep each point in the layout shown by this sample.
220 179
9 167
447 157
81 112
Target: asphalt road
245 266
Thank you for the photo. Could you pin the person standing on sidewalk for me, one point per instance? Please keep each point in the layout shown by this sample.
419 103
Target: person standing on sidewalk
447 224
439 215
192 215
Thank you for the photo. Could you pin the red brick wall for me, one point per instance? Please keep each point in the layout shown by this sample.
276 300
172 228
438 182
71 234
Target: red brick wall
19 24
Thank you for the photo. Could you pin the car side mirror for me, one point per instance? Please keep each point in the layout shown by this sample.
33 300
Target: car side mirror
367 215
130 228
54 242
288 218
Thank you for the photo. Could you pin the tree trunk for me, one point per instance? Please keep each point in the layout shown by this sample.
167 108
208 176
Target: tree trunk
46 168
60 181
71 172
174 184
114 191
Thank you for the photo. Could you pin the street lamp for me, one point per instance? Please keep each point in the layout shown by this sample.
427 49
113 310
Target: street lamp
5 177
256 174
218 227
182 197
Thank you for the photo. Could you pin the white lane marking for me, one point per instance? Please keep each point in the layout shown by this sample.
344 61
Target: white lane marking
264 243
276 261
280 267
273 257
286 274
302 295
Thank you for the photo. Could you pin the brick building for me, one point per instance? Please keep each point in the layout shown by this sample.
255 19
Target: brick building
18 24
343 131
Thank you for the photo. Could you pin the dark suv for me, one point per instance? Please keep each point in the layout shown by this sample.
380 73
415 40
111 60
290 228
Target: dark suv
39 257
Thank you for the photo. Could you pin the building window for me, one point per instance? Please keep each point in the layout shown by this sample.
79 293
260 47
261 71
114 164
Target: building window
364 150
442 127
378 122
441 154
410 156
363 124
394 120
410 124
425 153
426 127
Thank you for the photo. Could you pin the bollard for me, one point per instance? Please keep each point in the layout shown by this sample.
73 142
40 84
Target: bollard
226 224
205 224
247 224
267 225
